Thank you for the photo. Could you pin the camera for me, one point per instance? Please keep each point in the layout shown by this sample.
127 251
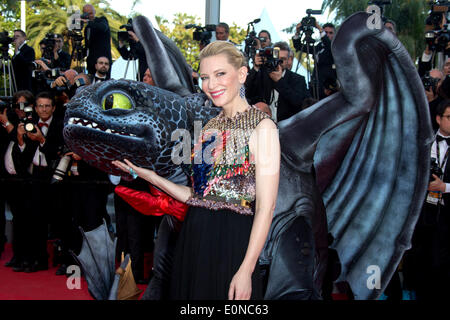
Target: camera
27 120
270 57
430 82
123 35
4 39
61 168
202 34
49 42
437 36
5 102
435 169
251 42
308 25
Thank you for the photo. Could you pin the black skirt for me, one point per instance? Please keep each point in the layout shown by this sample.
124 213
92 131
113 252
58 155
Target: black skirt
210 250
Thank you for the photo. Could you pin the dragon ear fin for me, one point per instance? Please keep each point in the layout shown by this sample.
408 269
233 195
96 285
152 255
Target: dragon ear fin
166 63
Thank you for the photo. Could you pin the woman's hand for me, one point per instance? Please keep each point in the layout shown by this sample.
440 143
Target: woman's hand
134 170
240 286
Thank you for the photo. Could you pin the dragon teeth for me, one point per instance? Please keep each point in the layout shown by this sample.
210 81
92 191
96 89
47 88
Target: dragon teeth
93 125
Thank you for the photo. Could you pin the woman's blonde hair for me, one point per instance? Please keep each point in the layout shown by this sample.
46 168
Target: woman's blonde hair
235 57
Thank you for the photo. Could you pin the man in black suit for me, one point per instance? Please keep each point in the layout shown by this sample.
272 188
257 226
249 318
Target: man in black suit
22 61
102 67
60 59
37 154
326 70
280 92
97 36
426 266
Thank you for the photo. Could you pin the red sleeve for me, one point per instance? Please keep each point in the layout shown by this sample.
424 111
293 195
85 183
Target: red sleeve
155 202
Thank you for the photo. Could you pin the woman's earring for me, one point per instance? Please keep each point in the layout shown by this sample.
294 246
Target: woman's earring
242 92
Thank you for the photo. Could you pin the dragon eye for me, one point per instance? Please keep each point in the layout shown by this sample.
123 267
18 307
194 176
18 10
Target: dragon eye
116 101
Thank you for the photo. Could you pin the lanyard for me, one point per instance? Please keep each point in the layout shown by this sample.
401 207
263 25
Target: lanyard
444 161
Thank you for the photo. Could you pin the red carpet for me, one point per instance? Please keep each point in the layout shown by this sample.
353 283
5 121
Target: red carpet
41 285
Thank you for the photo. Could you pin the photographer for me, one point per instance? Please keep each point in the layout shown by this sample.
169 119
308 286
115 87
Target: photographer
22 112
437 39
22 61
275 88
264 39
427 264
432 81
97 37
36 153
135 51
324 63
61 59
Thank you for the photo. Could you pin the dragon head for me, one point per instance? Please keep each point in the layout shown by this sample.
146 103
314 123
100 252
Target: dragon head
120 119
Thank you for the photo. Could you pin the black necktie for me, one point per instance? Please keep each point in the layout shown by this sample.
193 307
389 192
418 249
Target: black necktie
99 79
440 138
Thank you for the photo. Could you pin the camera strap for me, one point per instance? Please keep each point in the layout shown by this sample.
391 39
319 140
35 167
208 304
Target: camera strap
435 197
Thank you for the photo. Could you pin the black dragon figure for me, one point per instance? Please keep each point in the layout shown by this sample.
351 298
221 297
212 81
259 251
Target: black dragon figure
355 164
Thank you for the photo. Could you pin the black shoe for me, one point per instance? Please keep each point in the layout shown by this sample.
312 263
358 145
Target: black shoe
62 270
142 281
20 267
14 262
29 267
35 266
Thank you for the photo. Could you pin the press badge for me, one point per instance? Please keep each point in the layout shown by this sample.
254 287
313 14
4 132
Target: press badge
433 197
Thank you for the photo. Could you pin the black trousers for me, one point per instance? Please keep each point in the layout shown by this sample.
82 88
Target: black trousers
426 265
135 234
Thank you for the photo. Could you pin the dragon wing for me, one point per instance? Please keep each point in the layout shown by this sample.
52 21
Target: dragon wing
370 146
97 258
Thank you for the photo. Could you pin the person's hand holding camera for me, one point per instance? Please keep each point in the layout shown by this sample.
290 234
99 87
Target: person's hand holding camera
430 94
4 117
277 74
437 184
133 36
59 82
73 155
257 62
42 65
36 136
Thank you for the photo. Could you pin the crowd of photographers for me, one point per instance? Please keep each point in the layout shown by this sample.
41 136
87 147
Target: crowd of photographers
51 191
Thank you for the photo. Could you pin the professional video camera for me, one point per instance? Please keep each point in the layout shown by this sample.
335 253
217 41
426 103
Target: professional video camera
251 40
429 82
5 41
75 28
308 25
123 35
270 57
202 34
436 35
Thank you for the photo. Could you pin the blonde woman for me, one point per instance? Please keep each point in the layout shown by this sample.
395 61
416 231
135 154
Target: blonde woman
234 189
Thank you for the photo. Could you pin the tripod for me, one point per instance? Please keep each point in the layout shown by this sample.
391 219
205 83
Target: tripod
132 57
78 52
8 72
307 44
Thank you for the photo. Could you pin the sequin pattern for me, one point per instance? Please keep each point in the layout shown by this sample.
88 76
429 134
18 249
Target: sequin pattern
226 171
